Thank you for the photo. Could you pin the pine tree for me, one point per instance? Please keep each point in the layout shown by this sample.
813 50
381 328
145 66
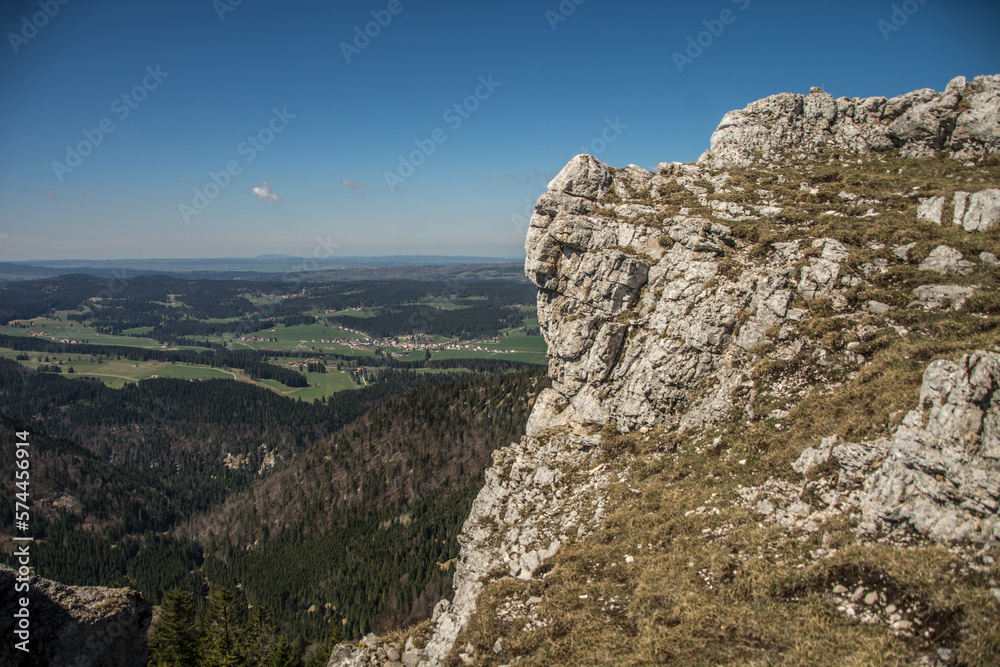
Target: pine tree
283 655
219 640
174 642
321 656
259 639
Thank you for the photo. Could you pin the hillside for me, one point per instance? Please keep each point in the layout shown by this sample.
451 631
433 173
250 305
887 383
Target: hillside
369 515
770 435
195 441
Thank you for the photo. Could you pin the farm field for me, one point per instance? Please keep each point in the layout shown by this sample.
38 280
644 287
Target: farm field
508 355
201 313
320 385
117 372
302 336
62 329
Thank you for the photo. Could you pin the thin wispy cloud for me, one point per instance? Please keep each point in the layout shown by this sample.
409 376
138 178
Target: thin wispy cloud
264 192
52 195
354 186
526 178
485 177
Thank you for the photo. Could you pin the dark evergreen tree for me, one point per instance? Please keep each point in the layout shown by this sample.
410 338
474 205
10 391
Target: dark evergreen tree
259 640
174 642
321 656
221 631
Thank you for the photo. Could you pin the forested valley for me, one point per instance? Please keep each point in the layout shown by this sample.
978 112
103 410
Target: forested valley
292 523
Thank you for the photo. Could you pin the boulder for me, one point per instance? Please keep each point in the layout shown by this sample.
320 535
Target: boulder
941 476
964 121
983 211
945 259
931 209
75 626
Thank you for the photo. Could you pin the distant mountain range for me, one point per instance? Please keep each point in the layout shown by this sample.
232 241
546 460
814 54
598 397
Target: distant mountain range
427 267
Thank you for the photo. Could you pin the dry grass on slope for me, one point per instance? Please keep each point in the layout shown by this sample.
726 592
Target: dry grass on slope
683 573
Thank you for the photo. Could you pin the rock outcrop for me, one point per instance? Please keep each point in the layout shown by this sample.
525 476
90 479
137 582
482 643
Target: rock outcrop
537 494
963 120
632 323
81 626
941 473
664 299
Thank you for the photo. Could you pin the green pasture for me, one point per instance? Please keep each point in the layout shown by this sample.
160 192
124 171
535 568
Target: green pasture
320 385
519 343
57 330
360 314
117 372
528 357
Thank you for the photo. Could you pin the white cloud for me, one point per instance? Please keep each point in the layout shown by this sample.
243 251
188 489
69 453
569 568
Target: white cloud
355 186
264 192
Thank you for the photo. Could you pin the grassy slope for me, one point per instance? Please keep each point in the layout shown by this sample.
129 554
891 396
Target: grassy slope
63 329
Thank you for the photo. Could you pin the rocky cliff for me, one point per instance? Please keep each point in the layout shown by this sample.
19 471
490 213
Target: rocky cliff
808 318
83 626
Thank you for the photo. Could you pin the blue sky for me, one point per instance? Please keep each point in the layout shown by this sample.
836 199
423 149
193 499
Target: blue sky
195 88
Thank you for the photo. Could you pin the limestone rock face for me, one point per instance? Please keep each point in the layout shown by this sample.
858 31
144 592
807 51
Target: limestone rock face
964 120
631 318
537 494
81 626
942 472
